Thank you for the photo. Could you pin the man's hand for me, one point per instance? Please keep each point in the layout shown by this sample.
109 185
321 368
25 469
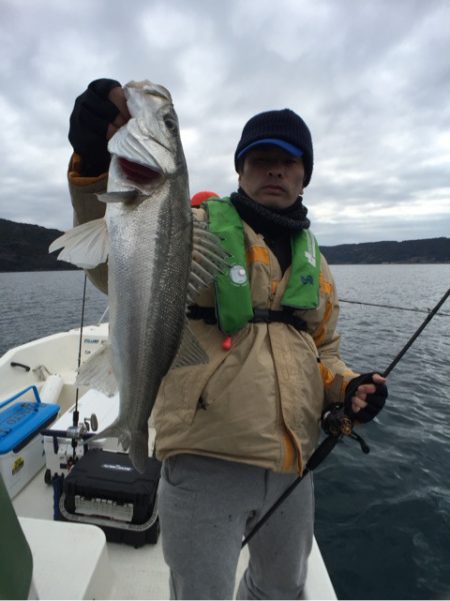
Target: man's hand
98 113
117 97
365 397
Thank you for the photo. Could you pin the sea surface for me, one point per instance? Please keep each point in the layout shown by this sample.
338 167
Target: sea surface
382 519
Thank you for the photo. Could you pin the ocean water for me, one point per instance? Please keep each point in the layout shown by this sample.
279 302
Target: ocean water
37 304
382 519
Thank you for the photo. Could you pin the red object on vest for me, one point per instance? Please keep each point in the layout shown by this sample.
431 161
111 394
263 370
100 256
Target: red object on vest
226 344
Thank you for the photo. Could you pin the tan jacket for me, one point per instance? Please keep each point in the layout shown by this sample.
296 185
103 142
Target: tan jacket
259 402
86 207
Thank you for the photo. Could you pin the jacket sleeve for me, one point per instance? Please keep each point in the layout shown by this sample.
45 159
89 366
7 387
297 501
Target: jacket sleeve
335 374
86 207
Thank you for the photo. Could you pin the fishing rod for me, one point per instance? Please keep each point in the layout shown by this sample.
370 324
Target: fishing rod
384 306
336 424
416 334
83 304
76 431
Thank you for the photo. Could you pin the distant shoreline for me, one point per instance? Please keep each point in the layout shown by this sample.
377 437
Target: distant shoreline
46 270
24 248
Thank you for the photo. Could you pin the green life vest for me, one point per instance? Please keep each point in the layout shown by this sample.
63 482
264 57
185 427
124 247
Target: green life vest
233 295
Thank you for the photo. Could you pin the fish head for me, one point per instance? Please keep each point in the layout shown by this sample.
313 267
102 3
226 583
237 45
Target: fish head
147 150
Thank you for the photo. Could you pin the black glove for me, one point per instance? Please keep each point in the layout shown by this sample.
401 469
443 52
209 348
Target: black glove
375 401
89 121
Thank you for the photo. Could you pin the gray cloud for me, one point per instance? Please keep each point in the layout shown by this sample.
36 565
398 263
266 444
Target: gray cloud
372 80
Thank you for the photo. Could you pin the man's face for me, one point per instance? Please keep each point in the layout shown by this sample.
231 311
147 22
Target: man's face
272 176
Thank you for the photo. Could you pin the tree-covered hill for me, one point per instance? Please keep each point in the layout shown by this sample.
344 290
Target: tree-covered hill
24 247
432 250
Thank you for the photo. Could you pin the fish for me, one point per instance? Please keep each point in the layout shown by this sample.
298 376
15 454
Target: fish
159 258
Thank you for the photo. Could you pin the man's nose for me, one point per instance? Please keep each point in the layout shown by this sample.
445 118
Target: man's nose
276 169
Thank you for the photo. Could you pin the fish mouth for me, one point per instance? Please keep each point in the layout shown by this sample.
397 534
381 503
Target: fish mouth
135 172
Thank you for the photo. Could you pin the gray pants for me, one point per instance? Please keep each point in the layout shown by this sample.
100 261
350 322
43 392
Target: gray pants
207 505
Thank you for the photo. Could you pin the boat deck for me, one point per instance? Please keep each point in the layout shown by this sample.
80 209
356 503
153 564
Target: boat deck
74 561
133 573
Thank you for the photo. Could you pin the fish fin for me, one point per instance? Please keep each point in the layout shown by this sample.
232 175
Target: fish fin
116 430
138 450
190 351
85 245
125 196
208 260
135 443
96 372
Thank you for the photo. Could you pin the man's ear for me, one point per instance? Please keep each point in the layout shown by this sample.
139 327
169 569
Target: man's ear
240 170
240 166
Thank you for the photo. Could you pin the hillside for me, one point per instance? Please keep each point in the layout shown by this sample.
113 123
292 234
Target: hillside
432 250
24 247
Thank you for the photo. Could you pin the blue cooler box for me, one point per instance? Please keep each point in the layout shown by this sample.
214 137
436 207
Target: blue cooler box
21 446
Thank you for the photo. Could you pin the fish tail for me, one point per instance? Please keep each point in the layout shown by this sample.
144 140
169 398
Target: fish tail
116 430
138 450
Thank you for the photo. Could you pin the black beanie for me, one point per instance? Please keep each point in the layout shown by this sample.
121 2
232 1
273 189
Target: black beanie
282 125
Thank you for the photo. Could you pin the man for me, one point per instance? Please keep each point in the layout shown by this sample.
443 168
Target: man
235 433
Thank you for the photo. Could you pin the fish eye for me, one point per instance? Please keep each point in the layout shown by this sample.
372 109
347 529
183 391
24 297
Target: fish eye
171 123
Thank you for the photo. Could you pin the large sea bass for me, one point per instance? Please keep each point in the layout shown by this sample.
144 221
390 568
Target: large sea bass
149 238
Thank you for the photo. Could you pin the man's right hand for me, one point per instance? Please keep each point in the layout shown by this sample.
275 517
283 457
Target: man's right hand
98 113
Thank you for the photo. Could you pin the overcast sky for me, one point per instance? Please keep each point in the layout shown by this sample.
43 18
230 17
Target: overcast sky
371 78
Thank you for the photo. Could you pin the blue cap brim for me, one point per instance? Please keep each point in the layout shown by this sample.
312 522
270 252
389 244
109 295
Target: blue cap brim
293 150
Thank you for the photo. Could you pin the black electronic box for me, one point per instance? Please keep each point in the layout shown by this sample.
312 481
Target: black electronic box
103 488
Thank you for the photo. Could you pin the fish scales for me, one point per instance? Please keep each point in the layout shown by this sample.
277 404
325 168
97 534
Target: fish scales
147 293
